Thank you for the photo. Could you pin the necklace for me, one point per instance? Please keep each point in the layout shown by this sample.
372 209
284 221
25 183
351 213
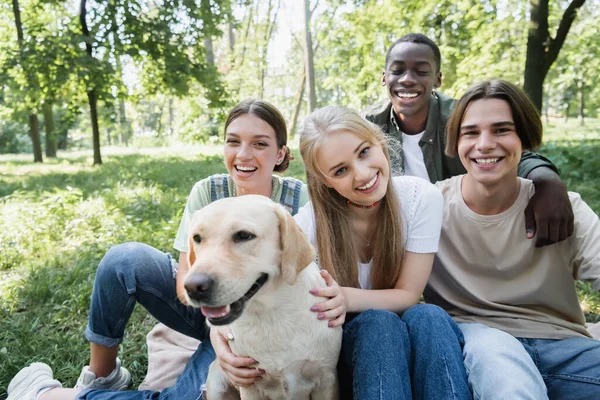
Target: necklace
368 242
353 204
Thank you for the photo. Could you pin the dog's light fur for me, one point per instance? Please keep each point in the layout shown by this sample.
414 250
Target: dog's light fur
298 352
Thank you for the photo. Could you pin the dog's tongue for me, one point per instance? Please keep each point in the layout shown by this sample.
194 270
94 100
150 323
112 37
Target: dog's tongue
215 312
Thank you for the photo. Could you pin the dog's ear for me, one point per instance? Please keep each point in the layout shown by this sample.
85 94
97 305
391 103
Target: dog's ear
191 255
296 250
191 252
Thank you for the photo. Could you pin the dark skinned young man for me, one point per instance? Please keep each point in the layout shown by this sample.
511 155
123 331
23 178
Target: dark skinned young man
416 115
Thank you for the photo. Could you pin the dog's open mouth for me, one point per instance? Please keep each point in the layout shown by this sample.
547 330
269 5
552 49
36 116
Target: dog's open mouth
224 315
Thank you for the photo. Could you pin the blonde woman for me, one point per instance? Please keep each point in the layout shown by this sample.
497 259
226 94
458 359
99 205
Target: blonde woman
376 237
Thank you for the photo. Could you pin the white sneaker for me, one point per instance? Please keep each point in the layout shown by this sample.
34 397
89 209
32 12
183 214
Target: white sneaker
30 380
119 379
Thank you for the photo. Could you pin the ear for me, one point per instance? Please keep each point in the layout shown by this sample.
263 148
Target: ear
281 153
438 80
191 252
296 251
383 81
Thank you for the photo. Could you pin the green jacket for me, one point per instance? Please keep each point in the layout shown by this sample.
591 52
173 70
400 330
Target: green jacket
439 165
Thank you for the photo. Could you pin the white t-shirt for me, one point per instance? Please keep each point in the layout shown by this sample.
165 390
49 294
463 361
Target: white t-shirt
421 205
414 165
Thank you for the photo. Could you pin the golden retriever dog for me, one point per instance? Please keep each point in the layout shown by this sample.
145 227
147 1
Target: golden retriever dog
251 268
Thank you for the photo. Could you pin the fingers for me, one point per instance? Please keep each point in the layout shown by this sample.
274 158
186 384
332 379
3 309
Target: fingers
542 233
332 314
330 291
530 221
330 304
236 368
242 376
338 321
328 278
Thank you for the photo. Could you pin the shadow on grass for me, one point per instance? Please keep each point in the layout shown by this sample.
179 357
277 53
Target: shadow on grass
172 172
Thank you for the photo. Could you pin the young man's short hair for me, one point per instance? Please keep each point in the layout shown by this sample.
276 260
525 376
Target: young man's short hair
528 123
420 39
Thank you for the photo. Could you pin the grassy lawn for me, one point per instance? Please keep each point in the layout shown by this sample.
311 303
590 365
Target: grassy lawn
58 219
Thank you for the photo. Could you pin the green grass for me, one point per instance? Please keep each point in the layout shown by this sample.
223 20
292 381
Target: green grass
571 130
58 219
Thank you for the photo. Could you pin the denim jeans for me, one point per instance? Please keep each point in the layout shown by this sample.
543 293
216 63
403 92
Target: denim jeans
415 355
187 386
133 273
569 368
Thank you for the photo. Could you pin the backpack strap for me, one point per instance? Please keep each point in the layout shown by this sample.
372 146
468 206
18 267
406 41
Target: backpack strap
219 187
290 194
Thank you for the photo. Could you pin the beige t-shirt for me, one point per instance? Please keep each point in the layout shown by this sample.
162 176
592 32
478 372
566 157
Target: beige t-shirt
487 271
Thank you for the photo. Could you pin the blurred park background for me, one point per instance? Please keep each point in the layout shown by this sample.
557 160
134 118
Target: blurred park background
111 110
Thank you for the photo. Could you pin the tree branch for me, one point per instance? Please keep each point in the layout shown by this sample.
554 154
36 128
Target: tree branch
561 34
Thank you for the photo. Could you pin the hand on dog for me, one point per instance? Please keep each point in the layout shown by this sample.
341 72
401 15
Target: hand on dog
333 309
236 368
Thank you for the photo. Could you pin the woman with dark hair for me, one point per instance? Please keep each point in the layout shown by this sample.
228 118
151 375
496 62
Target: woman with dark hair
516 304
130 273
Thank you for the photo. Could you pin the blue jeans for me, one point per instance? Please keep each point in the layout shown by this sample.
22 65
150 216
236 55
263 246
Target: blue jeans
415 355
530 368
133 273
187 386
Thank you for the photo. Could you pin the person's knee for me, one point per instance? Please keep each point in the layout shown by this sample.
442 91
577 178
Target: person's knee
375 334
424 315
377 321
490 339
492 348
125 258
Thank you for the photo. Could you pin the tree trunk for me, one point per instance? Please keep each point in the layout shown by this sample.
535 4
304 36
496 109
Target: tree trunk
231 36
51 141
93 101
581 102
34 132
124 128
542 49
92 96
298 105
208 46
171 116
62 139
308 59
567 109
34 128
265 46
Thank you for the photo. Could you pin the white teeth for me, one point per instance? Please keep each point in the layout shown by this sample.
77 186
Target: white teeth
369 184
225 312
486 161
245 169
406 95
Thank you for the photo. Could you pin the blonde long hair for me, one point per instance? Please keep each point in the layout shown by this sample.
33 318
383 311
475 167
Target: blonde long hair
337 252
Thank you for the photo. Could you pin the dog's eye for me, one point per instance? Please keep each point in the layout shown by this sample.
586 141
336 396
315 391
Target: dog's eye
243 236
197 238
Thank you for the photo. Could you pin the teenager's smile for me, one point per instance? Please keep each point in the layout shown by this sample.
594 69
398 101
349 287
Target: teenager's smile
353 167
489 146
370 186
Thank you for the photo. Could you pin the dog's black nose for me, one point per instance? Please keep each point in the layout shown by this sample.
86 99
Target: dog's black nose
199 286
